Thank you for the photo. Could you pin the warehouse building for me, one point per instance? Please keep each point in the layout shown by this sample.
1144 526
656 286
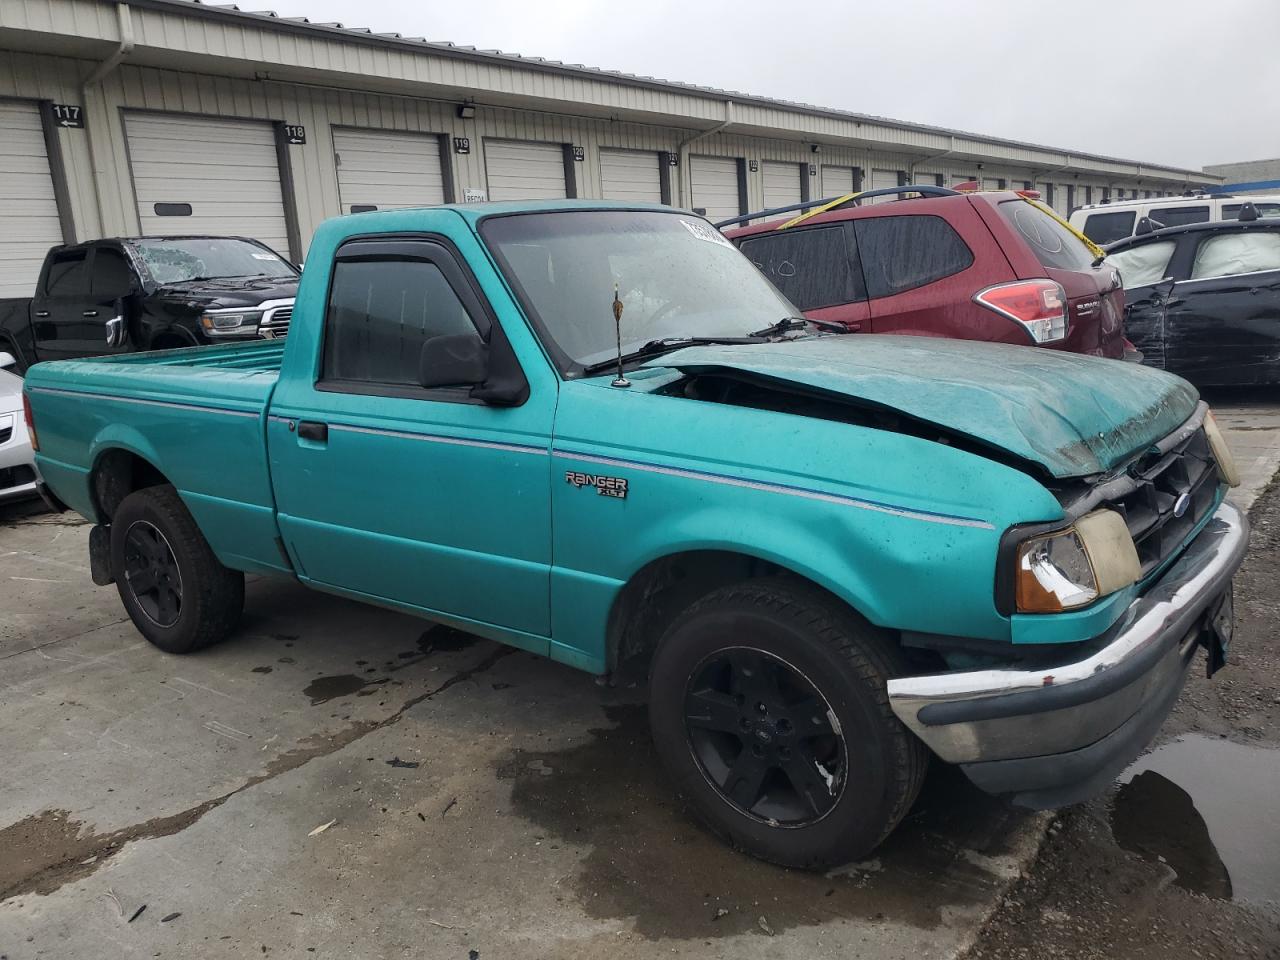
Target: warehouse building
171 117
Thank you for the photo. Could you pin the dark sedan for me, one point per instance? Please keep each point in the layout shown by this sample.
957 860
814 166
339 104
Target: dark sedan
1203 300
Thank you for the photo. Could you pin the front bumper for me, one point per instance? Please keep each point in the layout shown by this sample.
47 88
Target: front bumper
1057 735
18 474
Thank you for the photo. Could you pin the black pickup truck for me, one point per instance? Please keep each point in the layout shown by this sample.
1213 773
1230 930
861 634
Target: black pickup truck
149 293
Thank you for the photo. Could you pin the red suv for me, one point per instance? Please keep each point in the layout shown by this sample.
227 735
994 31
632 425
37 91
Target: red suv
977 266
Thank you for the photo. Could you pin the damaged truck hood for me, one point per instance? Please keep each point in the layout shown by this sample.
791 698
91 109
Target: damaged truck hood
1073 415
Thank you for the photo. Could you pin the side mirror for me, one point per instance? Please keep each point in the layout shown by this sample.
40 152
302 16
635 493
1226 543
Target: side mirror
1247 212
7 360
455 360
1145 225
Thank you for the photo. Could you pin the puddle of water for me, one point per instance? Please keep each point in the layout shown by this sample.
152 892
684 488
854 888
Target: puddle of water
609 794
1211 809
324 689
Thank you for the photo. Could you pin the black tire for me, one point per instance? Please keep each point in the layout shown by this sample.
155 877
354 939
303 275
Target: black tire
795 640
174 589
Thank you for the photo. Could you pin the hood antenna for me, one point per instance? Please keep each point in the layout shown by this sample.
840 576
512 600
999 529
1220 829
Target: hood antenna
619 380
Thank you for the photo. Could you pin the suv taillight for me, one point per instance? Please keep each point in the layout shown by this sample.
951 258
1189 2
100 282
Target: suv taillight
1040 306
31 421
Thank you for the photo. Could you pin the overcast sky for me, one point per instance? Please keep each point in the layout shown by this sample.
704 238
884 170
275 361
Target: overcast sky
1166 81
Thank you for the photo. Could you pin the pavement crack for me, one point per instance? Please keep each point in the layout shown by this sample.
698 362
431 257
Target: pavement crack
49 849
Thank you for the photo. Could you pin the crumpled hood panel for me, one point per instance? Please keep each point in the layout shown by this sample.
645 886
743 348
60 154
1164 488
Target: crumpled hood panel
1073 415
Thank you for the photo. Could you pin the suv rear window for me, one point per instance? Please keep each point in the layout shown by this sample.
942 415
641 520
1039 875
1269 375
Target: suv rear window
1109 227
904 252
812 267
1053 244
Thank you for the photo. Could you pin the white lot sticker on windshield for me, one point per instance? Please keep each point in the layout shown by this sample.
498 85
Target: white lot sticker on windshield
705 231
265 256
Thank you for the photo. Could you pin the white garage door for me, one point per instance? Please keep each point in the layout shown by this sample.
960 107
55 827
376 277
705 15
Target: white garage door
195 175
781 183
836 181
522 170
378 170
28 210
714 183
630 175
881 179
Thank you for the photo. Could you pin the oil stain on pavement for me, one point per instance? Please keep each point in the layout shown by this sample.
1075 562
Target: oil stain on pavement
649 861
1208 808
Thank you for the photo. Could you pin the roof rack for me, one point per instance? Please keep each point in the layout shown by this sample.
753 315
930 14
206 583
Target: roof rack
837 203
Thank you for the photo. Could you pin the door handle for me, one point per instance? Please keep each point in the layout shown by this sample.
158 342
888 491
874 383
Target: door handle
42 313
89 313
315 432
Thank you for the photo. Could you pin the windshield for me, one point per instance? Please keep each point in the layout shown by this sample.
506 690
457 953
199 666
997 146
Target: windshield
676 276
208 258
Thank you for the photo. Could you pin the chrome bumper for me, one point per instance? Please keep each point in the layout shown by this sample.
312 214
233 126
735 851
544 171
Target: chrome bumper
1078 717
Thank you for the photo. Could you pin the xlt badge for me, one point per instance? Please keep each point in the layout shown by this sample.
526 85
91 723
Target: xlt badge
605 486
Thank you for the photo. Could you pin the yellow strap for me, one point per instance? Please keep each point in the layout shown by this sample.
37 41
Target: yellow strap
1096 250
817 210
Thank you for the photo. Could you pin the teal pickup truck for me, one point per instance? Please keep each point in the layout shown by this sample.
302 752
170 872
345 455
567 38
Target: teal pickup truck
595 431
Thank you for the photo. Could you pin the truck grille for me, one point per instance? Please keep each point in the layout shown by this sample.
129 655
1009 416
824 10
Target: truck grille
1169 494
6 433
16 476
275 321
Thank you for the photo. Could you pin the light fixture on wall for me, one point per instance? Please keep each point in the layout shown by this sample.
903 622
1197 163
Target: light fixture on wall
466 111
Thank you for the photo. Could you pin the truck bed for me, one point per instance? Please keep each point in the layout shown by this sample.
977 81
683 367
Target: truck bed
196 415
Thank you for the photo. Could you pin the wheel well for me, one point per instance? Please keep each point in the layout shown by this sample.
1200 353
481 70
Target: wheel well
661 591
171 341
117 474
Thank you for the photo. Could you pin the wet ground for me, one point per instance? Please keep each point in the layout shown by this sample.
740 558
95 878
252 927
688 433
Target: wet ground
1182 857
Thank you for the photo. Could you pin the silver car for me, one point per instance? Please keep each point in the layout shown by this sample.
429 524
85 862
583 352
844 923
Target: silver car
17 459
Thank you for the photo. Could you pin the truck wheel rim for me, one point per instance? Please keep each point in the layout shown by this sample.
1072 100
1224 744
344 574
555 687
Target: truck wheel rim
151 571
765 738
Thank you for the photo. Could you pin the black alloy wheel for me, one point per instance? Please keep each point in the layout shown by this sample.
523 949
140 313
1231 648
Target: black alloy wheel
152 574
765 738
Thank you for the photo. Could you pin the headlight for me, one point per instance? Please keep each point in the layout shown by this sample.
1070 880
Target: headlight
1221 452
1074 567
225 323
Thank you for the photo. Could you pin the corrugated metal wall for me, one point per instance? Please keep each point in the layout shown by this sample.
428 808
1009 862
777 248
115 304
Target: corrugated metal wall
101 194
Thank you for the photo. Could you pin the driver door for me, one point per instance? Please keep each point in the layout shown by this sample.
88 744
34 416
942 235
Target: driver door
424 497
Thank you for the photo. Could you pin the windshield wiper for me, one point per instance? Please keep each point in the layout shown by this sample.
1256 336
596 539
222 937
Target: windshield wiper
655 348
787 324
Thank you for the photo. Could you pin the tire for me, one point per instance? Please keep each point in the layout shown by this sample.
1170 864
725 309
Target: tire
174 589
792 650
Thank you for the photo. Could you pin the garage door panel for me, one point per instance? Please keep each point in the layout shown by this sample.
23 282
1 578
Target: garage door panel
29 222
714 183
837 181
388 169
632 175
524 170
227 170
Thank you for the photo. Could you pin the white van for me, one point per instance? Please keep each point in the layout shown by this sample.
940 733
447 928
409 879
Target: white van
1105 223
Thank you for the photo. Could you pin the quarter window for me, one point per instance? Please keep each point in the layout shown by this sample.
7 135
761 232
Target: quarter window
904 252
380 314
1109 227
1177 216
1231 211
1232 254
812 267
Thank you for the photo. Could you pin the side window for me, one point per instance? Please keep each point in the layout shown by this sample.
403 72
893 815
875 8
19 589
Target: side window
813 267
904 252
68 276
1177 216
1143 264
112 275
1231 211
1109 227
380 314
1230 254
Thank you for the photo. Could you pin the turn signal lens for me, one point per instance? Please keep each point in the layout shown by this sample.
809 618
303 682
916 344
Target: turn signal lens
1221 452
1038 306
31 421
1076 566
